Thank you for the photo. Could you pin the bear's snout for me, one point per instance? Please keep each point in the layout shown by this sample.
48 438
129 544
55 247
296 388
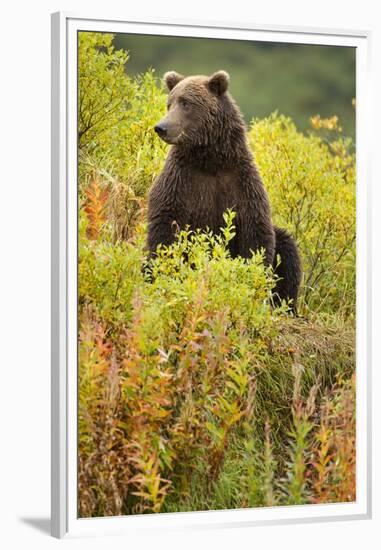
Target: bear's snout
161 130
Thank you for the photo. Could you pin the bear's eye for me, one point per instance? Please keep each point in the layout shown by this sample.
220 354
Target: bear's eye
184 104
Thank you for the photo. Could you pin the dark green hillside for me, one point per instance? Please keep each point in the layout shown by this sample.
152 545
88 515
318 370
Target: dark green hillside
296 80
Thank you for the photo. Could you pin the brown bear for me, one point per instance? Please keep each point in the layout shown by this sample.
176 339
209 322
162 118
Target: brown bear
210 169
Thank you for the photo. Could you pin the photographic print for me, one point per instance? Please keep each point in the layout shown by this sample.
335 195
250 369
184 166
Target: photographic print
216 274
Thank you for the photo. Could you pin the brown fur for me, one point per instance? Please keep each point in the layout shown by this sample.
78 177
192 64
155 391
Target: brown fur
209 169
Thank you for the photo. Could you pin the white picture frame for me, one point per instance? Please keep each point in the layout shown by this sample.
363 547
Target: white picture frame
64 272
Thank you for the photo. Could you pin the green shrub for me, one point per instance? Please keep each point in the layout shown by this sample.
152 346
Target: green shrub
311 184
183 371
116 116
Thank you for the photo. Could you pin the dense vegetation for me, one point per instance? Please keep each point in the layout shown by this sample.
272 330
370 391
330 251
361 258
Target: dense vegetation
194 393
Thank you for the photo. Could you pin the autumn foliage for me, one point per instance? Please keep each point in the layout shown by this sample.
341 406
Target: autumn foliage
194 393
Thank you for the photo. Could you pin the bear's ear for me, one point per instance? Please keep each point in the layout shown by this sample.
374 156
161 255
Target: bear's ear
218 83
171 78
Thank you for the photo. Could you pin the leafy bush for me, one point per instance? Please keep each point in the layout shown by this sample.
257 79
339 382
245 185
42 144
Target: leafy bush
116 116
179 375
194 392
311 183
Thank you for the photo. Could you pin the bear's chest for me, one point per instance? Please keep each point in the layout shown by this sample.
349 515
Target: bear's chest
208 196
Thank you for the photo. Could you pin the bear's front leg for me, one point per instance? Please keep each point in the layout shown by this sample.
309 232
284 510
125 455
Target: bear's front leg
165 207
162 229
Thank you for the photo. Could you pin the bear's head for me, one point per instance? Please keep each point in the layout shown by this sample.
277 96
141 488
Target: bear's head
198 109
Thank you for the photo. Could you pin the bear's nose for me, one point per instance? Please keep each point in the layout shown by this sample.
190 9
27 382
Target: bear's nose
161 130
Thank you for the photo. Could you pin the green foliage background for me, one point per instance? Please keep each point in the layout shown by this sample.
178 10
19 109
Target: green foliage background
194 393
296 79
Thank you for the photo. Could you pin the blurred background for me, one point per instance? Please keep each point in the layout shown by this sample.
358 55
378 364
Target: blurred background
294 79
